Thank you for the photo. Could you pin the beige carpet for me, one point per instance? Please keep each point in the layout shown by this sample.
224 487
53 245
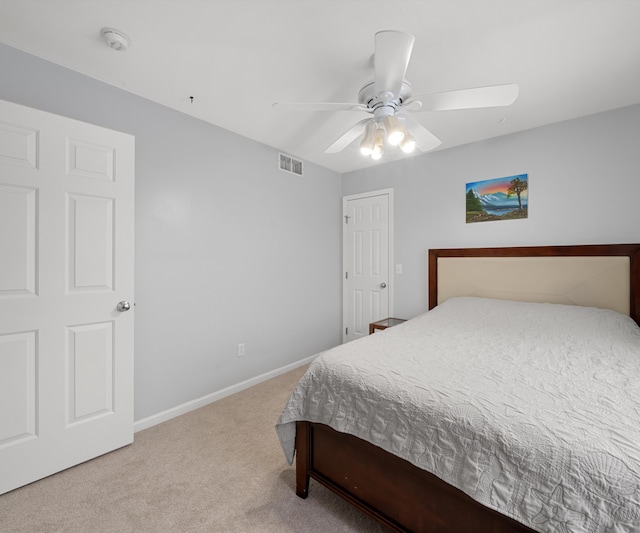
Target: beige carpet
219 468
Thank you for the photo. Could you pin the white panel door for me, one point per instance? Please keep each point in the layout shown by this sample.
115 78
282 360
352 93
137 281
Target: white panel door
66 261
367 258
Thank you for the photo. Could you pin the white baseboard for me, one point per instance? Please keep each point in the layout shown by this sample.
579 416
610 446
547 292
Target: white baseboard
152 420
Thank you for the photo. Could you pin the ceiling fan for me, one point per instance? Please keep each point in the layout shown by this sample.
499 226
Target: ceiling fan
389 97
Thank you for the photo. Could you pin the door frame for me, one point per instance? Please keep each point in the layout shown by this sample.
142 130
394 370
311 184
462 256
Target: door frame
345 199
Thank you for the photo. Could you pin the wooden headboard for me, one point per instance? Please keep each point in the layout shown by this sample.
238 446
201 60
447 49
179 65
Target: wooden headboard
604 275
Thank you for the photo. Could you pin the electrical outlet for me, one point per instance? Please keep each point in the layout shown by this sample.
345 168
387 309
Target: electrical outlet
241 349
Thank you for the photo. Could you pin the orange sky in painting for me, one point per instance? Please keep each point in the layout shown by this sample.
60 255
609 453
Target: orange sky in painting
495 185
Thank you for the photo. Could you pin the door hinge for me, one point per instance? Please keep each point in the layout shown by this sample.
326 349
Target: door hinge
346 331
346 275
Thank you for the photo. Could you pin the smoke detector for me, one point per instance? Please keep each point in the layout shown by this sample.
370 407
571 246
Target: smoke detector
115 39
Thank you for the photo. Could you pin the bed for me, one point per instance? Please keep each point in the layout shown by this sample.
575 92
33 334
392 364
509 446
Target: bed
513 405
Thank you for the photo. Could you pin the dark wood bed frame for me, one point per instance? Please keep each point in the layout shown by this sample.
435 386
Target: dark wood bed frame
397 494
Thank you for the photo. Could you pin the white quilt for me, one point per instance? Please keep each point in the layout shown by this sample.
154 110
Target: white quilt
531 409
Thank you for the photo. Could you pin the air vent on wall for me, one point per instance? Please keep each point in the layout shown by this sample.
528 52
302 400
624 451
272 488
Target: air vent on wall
289 164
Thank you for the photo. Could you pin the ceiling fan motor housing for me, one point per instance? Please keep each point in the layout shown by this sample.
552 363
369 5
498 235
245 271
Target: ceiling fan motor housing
367 96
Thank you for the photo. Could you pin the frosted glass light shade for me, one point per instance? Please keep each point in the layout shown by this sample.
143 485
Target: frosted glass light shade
368 141
395 130
408 144
378 144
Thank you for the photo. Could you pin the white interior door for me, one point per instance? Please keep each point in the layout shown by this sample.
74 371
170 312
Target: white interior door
367 256
66 261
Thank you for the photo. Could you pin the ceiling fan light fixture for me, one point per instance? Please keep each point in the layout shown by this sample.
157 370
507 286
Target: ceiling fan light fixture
395 130
408 144
368 142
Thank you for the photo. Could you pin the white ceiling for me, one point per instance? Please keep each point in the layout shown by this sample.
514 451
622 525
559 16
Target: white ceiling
237 57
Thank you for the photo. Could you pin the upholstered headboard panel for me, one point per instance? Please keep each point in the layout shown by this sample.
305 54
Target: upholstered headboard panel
606 276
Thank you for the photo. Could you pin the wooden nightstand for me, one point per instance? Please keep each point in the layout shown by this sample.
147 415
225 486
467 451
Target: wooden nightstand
385 323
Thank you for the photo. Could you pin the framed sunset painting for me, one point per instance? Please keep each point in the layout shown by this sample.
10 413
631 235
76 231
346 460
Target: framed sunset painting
498 199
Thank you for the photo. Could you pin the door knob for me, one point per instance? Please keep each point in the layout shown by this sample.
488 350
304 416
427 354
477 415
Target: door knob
124 306
383 285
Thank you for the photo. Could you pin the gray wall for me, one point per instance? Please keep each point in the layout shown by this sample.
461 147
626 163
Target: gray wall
229 248
584 188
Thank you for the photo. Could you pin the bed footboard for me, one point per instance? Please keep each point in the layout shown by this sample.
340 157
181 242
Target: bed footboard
391 490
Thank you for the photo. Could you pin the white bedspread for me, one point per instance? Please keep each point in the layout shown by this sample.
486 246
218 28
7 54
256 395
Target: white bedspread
531 409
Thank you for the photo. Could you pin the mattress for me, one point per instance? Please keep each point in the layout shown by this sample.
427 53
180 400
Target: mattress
531 409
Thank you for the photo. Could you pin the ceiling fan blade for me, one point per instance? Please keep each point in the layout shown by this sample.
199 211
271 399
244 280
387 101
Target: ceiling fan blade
347 138
319 106
425 140
493 96
392 55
